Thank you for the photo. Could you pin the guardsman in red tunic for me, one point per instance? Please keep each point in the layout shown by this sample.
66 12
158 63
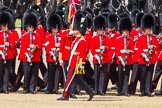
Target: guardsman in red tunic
31 46
112 35
99 49
136 33
124 50
148 46
40 30
15 53
77 58
54 25
6 52
158 69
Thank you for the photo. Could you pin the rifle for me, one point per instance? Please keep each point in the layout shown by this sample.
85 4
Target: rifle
31 53
55 54
125 56
101 51
5 47
149 50
124 60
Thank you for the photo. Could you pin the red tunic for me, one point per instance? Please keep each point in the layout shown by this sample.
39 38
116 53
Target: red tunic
95 45
143 47
10 52
25 43
16 38
112 39
65 44
88 37
80 50
40 31
120 46
159 51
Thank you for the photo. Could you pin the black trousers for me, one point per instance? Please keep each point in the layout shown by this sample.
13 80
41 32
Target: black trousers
30 75
113 73
146 73
51 76
100 75
20 74
134 78
123 78
157 75
107 76
77 79
4 74
12 71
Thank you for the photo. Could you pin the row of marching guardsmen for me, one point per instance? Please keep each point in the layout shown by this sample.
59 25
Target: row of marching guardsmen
116 42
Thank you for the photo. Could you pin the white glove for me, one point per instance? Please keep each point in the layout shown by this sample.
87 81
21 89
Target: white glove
97 58
121 60
103 47
71 32
27 57
3 56
53 55
145 57
61 62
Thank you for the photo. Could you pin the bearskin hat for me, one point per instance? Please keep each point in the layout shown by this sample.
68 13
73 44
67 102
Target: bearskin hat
113 21
6 18
61 7
3 8
13 16
99 23
89 19
147 21
53 21
160 19
62 15
104 10
39 11
80 22
125 24
138 19
30 19
124 14
89 11
133 15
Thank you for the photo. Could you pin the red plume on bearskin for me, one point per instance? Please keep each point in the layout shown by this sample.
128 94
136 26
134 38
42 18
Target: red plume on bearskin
53 21
113 21
30 19
5 18
80 22
125 24
138 19
99 23
148 21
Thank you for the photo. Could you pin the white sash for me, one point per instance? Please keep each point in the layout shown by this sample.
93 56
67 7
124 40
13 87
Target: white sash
73 51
